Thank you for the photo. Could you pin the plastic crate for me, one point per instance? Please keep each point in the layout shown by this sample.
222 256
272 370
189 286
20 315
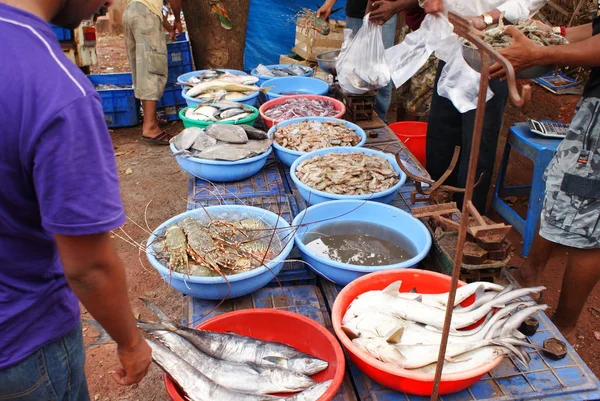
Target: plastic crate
62 33
177 70
121 108
179 53
169 105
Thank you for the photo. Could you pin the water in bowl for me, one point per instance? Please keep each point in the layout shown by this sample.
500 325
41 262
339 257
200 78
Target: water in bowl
359 243
291 93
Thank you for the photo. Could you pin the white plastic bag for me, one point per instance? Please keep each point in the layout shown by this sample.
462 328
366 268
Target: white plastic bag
361 67
458 82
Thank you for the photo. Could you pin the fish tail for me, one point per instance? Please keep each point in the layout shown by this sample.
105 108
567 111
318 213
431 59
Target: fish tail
102 338
149 326
162 316
265 90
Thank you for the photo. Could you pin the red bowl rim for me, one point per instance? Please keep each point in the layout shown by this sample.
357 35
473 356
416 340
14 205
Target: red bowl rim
336 317
338 376
270 103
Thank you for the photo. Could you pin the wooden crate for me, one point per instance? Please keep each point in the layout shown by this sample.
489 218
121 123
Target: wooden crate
358 107
309 43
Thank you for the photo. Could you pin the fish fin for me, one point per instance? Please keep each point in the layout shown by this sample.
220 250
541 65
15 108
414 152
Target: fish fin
396 336
393 289
413 290
349 332
276 360
102 338
149 326
162 316
265 90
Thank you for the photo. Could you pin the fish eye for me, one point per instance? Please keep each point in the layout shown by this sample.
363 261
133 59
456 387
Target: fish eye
307 361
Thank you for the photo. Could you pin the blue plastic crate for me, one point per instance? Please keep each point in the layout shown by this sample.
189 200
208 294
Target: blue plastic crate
172 101
121 108
179 53
177 70
62 33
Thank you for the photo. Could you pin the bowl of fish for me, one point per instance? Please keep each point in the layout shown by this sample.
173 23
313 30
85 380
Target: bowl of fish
344 240
343 173
250 355
222 112
266 72
298 136
327 60
390 324
220 252
288 86
207 85
287 107
221 152
499 39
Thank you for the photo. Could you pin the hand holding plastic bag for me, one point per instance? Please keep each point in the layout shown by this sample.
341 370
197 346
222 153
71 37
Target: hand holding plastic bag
362 67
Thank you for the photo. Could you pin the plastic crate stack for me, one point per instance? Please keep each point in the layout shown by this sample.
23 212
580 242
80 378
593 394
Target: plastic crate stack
121 108
62 34
179 61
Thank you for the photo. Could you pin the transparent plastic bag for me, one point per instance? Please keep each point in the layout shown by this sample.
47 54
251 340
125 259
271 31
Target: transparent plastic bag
361 66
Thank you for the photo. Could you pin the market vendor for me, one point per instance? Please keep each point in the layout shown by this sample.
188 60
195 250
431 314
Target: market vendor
570 219
58 204
146 45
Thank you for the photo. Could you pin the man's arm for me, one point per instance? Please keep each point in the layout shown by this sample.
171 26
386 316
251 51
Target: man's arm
169 28
176 7
325 10
524 53
579 33
382 11
97 276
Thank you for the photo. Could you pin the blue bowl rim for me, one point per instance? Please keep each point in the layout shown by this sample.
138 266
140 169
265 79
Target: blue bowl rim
272 66
347 149
223 162
361 132
273 81
358 268
235 72
238 100
217 280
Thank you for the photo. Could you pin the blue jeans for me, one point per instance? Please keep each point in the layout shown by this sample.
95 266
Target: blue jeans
388 32
54 372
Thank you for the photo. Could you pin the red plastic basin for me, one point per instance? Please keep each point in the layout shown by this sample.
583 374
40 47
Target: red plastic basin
269 122
403 380
414 135
289 328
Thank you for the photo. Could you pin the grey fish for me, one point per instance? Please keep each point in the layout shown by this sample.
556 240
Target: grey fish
197 386
254 133
257 146
231 113
203 142
236 117
227 133
252 379
186 138
226 151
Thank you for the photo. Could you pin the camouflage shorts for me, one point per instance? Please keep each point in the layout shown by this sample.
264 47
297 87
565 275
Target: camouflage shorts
146 50
572 205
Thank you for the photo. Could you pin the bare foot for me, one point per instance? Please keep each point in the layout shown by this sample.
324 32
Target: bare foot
570 333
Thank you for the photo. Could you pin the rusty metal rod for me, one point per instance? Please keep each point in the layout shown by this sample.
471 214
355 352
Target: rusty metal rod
464 28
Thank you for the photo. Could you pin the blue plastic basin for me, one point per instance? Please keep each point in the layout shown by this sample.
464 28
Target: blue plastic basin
251 100
217 288
263 78
220 170
295 86
288 156
355 210
314 196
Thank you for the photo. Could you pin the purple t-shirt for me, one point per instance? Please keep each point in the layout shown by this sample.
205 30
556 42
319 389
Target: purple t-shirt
57 176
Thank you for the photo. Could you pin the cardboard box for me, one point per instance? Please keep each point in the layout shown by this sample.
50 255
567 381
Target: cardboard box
309 43
289 59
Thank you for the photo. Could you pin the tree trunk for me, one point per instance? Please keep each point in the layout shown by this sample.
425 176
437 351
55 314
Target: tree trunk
214 46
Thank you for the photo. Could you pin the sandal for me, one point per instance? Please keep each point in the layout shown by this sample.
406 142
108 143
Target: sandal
160 139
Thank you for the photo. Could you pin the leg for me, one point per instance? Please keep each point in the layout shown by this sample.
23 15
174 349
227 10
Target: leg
489 141
384 95
443 134
530 275
581 275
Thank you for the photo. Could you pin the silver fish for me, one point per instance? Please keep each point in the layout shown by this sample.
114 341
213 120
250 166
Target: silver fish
236 376
227 133
186 138
237 117
203 142
231 113
254 133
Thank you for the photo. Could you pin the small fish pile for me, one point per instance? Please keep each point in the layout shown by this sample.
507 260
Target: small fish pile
230 367
405 328
213 84
217 246
104 87
301 107
222 142
498 38
219 111
293 70
307 136
354 173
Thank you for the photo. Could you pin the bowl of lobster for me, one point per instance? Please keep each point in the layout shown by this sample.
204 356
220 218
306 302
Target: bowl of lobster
220 252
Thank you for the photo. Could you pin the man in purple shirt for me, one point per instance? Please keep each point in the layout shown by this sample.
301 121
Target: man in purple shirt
59 199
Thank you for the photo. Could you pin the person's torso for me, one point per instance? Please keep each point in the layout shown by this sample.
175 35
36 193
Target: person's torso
38 81
156 6
592 88
356 8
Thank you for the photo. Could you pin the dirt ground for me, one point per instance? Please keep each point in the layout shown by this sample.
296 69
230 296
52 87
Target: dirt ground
154 189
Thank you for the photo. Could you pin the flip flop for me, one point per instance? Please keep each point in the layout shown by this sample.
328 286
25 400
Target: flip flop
160 139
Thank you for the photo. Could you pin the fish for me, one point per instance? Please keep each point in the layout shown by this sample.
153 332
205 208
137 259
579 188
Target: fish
203 142
226 152
227 133
215 85
388 301
468 361
462 293
254 133
237 117
237 348
482 299
186 138
231 113
247 378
